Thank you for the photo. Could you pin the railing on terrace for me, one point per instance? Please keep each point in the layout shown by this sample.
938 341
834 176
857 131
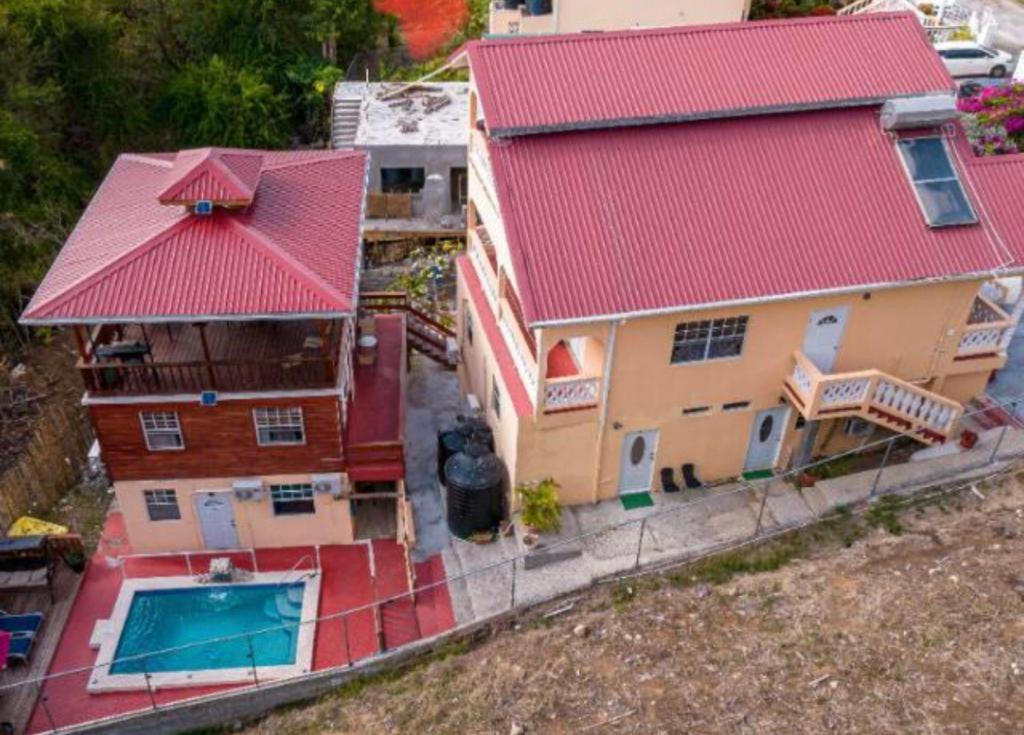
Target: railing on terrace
152 378
988 330
572 393
875 396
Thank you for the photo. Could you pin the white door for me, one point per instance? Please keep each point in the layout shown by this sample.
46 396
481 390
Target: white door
638 449
217 520
823 336
765 439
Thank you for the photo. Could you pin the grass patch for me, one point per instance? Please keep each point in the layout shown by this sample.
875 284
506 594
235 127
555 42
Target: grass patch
886 514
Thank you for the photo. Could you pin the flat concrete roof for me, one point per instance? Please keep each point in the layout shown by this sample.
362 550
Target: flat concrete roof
422 114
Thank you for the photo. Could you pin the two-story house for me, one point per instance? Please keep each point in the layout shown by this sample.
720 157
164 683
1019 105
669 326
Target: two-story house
676 261
511 17
213 298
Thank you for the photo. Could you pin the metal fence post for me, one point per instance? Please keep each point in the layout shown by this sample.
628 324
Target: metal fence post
44 702
999 444
760 511
149 686
252 660
885 461
640 542
512 601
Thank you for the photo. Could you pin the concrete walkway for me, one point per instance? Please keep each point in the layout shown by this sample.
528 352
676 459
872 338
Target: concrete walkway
689 524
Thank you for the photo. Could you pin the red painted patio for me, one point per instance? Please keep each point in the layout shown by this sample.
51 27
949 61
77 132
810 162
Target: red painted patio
352 576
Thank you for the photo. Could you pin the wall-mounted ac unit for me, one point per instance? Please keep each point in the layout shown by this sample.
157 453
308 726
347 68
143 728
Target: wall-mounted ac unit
248 489
332 484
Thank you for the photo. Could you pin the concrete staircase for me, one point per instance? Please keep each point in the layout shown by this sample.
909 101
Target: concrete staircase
345 122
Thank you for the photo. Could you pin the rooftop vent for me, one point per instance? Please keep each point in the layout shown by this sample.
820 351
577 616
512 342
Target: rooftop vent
918 112
204 207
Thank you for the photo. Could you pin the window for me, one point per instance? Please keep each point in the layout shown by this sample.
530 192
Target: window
736 406
402 180
161 430
279 426
291 500
495 396
709 339
469 325
855 426
162 505
935 181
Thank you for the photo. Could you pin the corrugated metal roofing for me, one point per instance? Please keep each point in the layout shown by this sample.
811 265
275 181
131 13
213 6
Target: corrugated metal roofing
548 83
293 250
631 220
215 174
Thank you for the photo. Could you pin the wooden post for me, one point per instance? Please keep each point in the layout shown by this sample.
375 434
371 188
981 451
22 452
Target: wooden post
206 355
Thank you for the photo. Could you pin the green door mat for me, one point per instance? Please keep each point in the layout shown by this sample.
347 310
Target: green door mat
636 500
758 475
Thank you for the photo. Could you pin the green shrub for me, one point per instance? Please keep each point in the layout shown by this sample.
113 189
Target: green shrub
541 509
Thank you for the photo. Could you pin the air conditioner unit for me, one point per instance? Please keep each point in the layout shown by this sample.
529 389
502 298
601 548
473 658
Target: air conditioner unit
204 207
332 484
248 489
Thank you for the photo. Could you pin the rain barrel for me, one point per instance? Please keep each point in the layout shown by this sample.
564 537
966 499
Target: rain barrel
474 478
453 440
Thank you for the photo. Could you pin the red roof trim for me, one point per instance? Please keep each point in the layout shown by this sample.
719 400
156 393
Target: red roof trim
509 375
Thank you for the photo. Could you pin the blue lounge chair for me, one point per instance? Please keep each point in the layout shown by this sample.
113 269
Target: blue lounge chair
20 648
26 623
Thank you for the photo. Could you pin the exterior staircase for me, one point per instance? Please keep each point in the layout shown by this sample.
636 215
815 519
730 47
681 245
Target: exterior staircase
397 624
345 121
875 396
426 335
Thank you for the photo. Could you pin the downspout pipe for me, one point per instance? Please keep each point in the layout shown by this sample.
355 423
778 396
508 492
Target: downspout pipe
609 362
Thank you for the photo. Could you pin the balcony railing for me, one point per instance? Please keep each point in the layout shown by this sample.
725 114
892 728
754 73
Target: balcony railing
988 330
148 378
568 394
875 396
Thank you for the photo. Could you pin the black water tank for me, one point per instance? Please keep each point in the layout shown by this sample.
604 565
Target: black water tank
538 7
510 4
474 478
452 441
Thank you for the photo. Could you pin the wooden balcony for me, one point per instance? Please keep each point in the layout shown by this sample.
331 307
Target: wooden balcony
987 333
875 396
171 359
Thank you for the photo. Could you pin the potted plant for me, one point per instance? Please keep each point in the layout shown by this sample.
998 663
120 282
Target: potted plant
541 512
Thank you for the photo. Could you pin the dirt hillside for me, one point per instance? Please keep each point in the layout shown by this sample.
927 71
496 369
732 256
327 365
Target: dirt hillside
916 627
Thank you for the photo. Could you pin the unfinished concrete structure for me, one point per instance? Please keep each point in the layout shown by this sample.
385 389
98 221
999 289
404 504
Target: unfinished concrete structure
416 138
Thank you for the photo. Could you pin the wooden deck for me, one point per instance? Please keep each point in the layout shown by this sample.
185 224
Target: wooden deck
16 704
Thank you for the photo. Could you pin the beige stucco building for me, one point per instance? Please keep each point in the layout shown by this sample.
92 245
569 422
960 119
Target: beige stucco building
575 16
581 335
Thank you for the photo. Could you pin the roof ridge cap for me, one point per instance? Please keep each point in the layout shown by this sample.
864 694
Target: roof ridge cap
148 160
731 27
298 270
337 154
217 162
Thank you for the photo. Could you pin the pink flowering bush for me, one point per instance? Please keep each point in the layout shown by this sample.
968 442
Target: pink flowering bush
994 119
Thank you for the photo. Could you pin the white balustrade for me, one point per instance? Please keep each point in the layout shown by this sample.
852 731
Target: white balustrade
917 405
844 391
526 366
982 340
560 395
801 379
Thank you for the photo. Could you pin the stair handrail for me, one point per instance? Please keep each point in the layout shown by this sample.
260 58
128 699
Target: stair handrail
308 572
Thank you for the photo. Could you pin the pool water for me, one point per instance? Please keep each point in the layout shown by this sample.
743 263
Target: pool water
162 619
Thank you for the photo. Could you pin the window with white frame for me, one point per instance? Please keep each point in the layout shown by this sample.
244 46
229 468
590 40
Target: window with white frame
469 326
709 339
293 499
162 505
275 426
162 430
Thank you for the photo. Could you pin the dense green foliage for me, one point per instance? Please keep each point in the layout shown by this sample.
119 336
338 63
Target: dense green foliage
86 79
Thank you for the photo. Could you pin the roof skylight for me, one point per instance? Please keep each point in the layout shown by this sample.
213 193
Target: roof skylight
936 183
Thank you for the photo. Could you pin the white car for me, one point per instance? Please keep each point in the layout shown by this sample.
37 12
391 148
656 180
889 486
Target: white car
970 59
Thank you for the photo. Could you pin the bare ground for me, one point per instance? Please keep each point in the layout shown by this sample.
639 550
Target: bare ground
921 632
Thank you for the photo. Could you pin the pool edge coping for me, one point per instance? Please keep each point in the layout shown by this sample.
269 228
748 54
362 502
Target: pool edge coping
101 680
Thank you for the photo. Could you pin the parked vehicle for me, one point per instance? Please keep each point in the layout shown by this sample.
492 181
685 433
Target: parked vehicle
970 59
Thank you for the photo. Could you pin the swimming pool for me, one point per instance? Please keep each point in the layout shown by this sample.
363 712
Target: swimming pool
276 610
163 619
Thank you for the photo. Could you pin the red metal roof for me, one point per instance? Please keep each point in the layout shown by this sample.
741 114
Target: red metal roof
293 250
632 220
548 83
